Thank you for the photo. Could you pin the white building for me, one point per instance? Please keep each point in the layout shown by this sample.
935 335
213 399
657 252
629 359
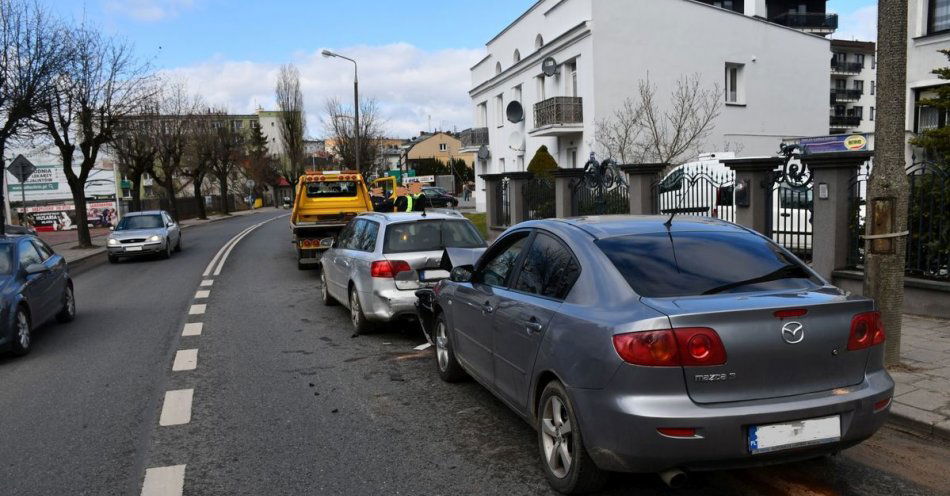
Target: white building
853 87
776 77
928 32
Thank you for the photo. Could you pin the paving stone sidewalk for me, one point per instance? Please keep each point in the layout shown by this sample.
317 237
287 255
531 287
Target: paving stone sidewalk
922 396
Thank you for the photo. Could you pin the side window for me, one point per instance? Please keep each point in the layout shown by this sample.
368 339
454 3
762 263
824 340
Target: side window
28 255
343 241
549 269
496 269
366 236
44 249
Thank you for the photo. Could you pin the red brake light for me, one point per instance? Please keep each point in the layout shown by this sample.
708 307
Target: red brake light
388 268
866 330
788 314
687 346
677 431
881 405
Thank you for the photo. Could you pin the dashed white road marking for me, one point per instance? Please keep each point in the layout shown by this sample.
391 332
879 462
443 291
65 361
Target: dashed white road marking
207 283
197 309
164 481
185 360
176 410
202 294
192 329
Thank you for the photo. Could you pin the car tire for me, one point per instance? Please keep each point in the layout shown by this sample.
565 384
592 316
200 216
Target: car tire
113 259
178 246
450 370
564 459
68 313
357 317
22 333
167 252
328 300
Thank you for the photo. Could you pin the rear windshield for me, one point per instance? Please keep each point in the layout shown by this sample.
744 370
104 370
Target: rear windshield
332 189
696 263
140 222
431 235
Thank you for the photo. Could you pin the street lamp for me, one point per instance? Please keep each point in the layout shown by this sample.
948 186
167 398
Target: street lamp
356 100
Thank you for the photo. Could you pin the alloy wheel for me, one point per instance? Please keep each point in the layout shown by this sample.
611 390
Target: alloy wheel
557 437
355 309
70 302
441 346
23 330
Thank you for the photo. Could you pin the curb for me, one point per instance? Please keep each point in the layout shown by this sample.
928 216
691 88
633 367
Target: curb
917 427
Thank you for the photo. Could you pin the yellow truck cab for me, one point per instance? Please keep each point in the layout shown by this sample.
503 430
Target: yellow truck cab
324 203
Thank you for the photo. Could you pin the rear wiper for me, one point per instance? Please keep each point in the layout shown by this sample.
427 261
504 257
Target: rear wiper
788 271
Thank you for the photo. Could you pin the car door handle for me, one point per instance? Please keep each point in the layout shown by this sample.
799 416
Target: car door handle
533 326
487 308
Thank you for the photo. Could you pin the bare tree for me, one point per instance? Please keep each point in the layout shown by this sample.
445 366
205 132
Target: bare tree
292 121
228 154
339 125
134 146
647 130
177 108
32 56
201 156
102 84
888 188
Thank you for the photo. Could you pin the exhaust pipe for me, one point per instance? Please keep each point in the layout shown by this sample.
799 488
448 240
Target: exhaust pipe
674 478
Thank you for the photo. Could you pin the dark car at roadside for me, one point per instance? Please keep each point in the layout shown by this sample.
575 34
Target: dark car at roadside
437 197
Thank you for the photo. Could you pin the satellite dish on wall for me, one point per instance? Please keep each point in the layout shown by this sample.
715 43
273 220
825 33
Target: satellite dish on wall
549 67
516 141
483 153
515 112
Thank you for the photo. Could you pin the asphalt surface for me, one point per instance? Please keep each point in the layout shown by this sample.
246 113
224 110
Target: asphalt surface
287 401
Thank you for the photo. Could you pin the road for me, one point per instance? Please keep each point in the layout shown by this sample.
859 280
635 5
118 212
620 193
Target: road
285 401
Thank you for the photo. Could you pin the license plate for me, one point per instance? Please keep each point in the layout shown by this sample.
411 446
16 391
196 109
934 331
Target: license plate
134 248
433 275
788 435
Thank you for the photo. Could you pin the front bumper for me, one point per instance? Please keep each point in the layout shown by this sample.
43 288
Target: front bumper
620 431
136 249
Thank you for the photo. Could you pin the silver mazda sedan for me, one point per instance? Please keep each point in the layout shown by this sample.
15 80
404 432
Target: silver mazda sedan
635 344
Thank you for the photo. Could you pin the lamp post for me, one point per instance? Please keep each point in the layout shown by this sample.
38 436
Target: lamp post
356 101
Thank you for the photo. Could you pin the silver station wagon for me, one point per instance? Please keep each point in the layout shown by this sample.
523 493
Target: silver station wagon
379 261
634 344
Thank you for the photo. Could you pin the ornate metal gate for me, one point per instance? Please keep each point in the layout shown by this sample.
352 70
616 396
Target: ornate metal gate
697 189
538 194
789 214
601 190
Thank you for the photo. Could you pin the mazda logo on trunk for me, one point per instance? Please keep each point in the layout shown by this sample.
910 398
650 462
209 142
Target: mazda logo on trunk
793 332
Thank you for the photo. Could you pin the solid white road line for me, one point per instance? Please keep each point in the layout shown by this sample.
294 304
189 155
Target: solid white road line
185 360
176 410
197 309
423 346
222 255
202 294
207 283
217 255
192 329
224 258
164 481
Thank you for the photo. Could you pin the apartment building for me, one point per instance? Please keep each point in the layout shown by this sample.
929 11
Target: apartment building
853 86
928 33
774 76
440 146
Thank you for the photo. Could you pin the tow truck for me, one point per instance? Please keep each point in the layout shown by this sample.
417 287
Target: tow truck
324 203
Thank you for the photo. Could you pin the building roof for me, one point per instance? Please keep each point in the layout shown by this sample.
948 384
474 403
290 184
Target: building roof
854 46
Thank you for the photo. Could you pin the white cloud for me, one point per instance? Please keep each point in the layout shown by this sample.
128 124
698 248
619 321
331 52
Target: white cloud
410 84
860 24
148 10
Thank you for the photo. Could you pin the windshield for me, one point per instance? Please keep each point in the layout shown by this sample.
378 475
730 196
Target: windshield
431 235
435 191
6 259
696 263
140 222
332 189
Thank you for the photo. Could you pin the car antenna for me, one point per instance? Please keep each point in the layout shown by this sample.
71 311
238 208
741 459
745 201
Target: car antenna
669 222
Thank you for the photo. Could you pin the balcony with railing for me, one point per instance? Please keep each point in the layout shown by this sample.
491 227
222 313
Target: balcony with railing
473 139
840 95
558 115
840 67
845 121
813 22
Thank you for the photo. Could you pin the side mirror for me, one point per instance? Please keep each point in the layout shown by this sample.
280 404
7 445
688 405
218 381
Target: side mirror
170 224
327 243
112 228
36 268
462 273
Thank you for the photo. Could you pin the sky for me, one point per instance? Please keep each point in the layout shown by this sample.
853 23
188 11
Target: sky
414 55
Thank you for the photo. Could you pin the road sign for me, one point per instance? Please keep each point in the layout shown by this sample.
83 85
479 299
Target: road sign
21 168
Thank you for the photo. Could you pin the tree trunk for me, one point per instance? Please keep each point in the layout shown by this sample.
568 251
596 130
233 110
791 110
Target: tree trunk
199 201
225 203
169 184
136 191
82 216
887 186
3 179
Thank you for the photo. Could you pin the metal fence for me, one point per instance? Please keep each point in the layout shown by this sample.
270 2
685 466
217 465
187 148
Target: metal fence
789 214
587 199
559 110
187 207
538 194
697 190
502 207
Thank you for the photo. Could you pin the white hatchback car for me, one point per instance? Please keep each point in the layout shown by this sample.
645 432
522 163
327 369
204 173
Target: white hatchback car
379 261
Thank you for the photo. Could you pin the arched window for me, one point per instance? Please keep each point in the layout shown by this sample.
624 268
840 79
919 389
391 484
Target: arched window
517 56
538 41
497 68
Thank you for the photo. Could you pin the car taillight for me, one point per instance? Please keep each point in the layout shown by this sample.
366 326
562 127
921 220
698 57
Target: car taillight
882 404
677 431
866 330
686 346
388 268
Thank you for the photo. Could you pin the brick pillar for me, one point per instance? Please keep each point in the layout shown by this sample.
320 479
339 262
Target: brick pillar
754 174
491 197
640 180
831 179
517 206
562 190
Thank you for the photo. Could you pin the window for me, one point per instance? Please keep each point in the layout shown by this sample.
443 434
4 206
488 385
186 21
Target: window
332 189
873 87
482 115
29 255
500 110
343 239
516 57
539 82
859 85
872 114
705 263
538 42
734 88
929 119
45 251
6 259
497 267
573 82
140 222
501 165
364 238
497 68
938 16
856 112
431 235
549 269
443 147
860 59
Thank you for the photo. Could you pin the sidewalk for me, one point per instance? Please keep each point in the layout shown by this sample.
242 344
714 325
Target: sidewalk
922 394
67 248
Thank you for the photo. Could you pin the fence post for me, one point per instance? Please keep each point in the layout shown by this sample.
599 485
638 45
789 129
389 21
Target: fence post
491 197
516 203
832 174
563 195
755 174
640 179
